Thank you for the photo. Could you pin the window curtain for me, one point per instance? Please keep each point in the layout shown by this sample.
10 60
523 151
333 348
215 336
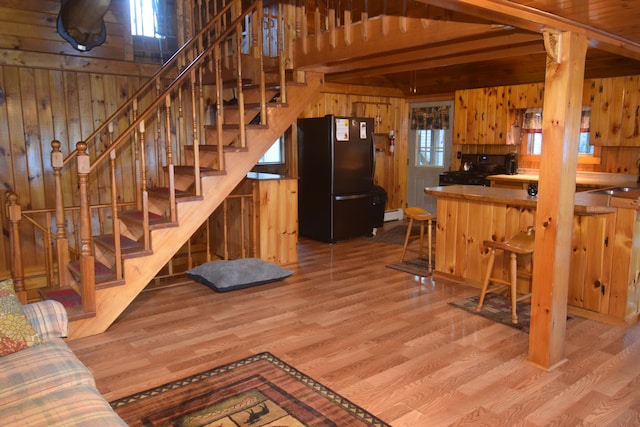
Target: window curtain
532 120
423 118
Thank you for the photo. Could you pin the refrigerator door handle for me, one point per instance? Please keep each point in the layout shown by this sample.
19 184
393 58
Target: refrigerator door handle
351 197
373 158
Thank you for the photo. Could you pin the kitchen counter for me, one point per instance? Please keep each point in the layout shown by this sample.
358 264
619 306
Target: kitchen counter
604 263
586 203
585 179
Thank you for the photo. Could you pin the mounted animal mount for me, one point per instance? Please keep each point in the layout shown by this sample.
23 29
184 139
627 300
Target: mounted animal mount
81 23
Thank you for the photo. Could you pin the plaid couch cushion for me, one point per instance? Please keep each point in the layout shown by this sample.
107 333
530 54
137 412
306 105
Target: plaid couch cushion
49 318
40 370
76 406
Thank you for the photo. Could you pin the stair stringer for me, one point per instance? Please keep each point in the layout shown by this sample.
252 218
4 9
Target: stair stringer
165 242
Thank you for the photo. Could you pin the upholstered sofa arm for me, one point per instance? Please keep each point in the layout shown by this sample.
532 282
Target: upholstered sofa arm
49 318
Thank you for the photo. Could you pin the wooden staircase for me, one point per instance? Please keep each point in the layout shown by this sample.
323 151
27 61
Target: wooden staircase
167 238
109 265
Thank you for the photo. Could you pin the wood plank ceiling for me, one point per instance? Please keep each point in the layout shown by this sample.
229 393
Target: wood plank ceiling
510 52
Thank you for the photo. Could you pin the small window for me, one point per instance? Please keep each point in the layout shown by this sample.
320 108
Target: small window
143 18
275 154
430 147
532 126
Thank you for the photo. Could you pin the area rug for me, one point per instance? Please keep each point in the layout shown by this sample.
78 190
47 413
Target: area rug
497 307
395 235
254 392
417 267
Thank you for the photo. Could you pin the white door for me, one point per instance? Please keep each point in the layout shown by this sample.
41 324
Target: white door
430 142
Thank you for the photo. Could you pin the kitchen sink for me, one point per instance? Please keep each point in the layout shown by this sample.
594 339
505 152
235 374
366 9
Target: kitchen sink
615 190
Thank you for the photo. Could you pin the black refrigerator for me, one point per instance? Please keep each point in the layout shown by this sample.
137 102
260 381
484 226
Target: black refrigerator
336 163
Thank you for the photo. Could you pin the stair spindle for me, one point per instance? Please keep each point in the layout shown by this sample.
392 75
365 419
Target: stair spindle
62 242
14 214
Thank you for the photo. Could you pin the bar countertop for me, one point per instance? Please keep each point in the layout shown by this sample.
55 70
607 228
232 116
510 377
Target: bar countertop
586 203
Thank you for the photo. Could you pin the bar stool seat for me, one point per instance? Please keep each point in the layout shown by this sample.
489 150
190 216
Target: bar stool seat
422 216
520 244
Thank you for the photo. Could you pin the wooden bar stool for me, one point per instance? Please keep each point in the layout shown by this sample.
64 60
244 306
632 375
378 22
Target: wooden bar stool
520 244
418 214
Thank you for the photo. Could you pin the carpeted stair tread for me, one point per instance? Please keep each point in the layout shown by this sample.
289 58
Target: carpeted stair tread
103 274
128 247
155 221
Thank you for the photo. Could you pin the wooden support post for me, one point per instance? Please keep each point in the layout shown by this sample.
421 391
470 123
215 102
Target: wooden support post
554 218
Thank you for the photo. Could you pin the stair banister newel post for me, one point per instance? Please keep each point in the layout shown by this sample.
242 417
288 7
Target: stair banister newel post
14 214
87 259
62 242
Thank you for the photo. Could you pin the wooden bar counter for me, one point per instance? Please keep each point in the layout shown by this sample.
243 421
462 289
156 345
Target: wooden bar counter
605 245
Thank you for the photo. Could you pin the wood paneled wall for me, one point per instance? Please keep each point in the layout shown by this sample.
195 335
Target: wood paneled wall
30 25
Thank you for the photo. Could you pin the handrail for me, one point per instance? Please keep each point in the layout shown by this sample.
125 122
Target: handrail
186 72
151 83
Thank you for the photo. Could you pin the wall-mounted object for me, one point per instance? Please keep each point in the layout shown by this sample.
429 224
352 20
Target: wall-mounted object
80 22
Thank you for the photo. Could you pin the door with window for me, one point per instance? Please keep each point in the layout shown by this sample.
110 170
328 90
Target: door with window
430 142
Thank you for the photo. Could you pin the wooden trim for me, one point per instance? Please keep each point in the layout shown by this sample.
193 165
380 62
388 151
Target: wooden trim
56 62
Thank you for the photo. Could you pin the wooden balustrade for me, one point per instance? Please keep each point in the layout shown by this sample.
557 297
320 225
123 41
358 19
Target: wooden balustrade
178 89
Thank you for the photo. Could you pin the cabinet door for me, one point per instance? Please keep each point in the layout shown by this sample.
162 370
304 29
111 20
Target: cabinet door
460 111
589 276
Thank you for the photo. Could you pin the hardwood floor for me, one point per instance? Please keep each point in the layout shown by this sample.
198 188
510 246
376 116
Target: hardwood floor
384 339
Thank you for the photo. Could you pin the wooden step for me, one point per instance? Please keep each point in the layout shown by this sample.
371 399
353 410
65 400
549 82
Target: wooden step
181 196
129 248
204 171
69 298
156 221
104 276
214 148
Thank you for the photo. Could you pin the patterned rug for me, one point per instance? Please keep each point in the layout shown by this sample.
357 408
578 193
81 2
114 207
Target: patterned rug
497 307
255 392
417 267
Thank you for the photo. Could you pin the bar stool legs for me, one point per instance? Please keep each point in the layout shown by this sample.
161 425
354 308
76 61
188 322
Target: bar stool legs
520 244
418 214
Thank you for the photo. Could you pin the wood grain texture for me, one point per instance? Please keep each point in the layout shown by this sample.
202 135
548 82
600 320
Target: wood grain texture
384 339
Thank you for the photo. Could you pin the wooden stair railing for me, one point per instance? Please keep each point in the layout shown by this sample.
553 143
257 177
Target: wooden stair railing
133 131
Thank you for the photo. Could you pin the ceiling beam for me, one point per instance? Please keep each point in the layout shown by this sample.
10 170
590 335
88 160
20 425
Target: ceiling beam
524 17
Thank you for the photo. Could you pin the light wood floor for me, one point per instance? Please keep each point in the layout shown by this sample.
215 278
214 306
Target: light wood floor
384 339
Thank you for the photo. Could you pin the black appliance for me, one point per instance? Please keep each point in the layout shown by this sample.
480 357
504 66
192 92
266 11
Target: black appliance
475 168
336 163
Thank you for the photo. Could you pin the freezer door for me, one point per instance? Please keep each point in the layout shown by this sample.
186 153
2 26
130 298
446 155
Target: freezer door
353 156
352 217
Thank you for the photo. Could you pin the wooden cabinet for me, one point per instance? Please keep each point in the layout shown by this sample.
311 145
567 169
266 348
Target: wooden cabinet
259 217
591 252
482 116
615 111
604 277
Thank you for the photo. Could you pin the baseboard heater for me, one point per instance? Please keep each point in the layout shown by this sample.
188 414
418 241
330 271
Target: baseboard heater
393 215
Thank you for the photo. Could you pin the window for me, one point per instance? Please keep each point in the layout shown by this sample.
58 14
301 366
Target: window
430 147
532 126
144 17
275 154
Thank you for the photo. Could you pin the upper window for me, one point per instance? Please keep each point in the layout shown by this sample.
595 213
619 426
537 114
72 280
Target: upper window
143 17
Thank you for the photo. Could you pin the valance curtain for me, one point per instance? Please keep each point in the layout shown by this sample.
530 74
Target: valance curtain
532 120
423 118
